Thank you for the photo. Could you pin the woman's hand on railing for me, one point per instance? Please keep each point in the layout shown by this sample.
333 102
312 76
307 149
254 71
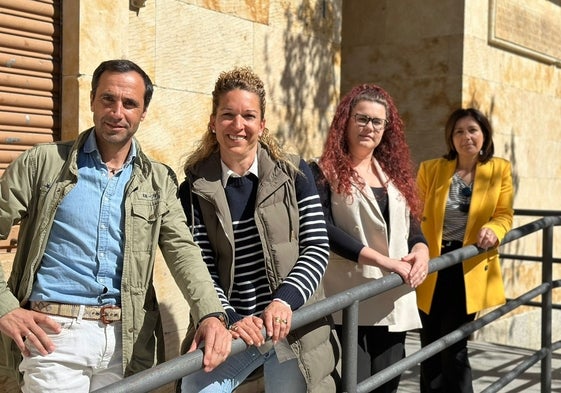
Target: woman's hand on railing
249 330
419 260
278 318
486 238
371 257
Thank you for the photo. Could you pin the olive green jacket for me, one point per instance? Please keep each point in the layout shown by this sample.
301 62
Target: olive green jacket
30 191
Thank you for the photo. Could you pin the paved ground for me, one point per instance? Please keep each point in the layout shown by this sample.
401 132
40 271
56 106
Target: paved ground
490 362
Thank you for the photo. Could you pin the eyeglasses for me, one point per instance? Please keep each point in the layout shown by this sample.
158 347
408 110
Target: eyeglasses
466 192
377 123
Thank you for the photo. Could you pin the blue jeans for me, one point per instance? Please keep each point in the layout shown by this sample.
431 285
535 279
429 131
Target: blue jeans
279 377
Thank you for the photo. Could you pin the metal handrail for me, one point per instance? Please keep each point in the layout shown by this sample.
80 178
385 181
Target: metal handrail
347 301
457 256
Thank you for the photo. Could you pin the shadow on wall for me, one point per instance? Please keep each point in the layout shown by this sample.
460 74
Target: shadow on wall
306 109
516 275
508 148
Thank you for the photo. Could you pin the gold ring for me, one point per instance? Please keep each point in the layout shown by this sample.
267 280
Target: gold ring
234 328
284 321
277 320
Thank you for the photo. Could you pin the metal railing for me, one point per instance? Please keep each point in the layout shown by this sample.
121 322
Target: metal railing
348 301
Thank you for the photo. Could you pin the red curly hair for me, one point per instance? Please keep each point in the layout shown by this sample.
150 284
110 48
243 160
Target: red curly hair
392 153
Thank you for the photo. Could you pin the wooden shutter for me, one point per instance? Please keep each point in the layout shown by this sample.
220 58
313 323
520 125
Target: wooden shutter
29 75
29 79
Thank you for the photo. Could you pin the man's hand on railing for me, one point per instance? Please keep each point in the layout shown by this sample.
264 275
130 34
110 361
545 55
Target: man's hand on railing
217 342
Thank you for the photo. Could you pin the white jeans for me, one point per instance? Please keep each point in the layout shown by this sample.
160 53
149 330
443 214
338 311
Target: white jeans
87 356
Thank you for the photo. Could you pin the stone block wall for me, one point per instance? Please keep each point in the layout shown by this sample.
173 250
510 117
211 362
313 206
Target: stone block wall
293 46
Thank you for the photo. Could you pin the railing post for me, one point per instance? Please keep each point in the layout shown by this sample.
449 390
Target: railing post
349 347
547 277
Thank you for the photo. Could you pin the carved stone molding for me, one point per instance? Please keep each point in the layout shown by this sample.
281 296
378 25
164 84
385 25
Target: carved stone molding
527 28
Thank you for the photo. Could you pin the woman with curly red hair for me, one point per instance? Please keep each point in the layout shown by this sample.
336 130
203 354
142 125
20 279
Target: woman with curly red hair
366 181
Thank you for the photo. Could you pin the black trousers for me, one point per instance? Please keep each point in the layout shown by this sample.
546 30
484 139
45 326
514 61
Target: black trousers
448 371
377 349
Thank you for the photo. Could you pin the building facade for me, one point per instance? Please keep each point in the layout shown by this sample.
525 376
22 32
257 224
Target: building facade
501 56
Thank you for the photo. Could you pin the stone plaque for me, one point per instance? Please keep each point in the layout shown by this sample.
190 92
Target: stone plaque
531 28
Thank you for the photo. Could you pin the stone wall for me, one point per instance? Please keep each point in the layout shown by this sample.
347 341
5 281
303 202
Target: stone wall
414 51
293 46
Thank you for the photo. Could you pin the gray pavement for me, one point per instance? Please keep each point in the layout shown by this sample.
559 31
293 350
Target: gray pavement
490 362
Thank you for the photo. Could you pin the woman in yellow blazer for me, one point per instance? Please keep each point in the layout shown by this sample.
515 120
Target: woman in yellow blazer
467 198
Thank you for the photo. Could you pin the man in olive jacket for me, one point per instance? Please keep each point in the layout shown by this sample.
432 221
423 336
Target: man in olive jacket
80 305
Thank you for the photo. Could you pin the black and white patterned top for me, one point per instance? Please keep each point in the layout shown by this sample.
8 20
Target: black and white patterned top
457 209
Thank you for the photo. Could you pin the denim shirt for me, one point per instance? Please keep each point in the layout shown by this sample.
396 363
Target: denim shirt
83 259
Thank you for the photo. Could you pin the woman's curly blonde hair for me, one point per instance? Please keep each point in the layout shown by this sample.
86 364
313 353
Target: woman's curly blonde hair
242 78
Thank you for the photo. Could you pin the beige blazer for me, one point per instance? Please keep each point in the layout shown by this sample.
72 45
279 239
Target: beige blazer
362 219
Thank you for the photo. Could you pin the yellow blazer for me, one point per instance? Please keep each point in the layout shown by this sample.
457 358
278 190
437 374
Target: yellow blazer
490 207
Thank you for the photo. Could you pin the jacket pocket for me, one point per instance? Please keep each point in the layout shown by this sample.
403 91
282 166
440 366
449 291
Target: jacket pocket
147 211
146 217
